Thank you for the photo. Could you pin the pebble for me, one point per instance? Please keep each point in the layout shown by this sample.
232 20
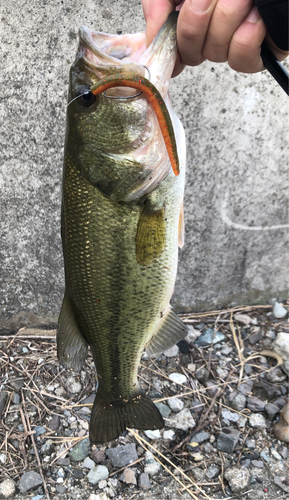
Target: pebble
39 430
238 478
257 463
202 375
7 488
97 473
182 420
3 397
164 409
271 410
209 337
229 416
250 443
228 439
97 456
128 476
122 455
178 378
246 387
275 454
172 352
197 406
88 463
255 337
201 436
264 455
3 458
279 311
213 471
192 335
73 385
257 421
243 318
281 429
276 376
54 423
239 402
80 450
265 391
283 451
198 473
282 482
99 496
152 467
29 481
155 434
281 345
255 404
211 388
169 435
144 481
175 404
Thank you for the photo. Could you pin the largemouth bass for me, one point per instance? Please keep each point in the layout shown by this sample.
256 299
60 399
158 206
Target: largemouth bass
122 219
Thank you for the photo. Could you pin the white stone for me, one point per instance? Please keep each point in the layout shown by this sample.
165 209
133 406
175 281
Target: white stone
182 420
100 496
73 386
102 484
152 467
279 311
153 434
178 378
257 421
169 435
7 488
243 318
192 335
88 463
172 351
281 345
175 404
97 473
3 458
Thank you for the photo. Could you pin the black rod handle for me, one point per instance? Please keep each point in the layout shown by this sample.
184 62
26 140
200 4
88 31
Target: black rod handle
276 69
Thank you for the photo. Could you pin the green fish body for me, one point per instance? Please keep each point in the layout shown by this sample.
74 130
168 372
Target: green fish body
121 212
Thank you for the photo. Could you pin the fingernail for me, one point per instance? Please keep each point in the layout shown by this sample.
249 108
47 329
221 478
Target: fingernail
253 16
200 5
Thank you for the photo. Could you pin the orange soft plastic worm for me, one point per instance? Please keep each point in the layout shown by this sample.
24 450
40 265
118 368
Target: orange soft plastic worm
141 83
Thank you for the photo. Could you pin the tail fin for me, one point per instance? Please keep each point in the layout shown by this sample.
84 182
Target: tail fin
108 422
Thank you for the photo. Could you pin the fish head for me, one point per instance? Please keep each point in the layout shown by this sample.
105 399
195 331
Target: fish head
115 136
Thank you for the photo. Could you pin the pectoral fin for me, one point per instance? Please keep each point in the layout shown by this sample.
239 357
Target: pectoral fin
71 346
150 237
170 332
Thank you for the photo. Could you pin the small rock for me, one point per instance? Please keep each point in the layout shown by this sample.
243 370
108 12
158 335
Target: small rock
3 398
282 482
73 385
102 484
175 404
255 337
257 463
281 345
213 471
227 440
60 488
169 435
209 337
279 311
155 434
250 443
197 406
63 461
172 352
264 455
281 430
271 410
202 375
178 378
182 420
152 467
284 368
257 421
122 455
16 399
212 388
201 436
226 349
246 387
283 451
39 430
7 489
276 376
3 458
80 451
275 454
97 473
29 481
192 335
229 416
198 473
238 478
129 476
164 410
97 456
88 463
239 402
54 423
265 391
251 454
78 473
255 404
243 318
144 481
99 496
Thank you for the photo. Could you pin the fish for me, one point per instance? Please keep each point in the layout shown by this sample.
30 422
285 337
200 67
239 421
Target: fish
121 220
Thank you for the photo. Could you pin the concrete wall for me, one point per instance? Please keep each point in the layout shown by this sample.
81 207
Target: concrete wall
236 247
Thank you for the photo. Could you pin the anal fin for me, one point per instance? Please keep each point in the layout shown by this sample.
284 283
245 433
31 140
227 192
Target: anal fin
108 421
71 346
171 330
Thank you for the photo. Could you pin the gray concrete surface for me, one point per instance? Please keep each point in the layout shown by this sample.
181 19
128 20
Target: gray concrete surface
236 249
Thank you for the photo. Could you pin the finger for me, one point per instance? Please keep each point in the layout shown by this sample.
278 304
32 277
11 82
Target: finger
156 13
245 47
193 22
228 15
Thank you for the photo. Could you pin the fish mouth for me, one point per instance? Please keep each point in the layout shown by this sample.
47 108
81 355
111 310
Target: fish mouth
106 54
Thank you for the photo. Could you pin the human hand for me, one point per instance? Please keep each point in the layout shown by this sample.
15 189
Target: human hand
217 30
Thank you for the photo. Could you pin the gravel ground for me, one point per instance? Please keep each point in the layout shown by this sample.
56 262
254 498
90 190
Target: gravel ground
223 393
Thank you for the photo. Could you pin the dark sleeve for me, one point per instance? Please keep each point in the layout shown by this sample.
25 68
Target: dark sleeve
275 15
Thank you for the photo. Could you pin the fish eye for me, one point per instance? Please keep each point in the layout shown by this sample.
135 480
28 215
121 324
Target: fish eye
86 97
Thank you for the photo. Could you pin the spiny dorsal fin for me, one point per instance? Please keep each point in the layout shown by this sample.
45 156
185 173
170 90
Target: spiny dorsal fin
71 346
150 236
171 330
